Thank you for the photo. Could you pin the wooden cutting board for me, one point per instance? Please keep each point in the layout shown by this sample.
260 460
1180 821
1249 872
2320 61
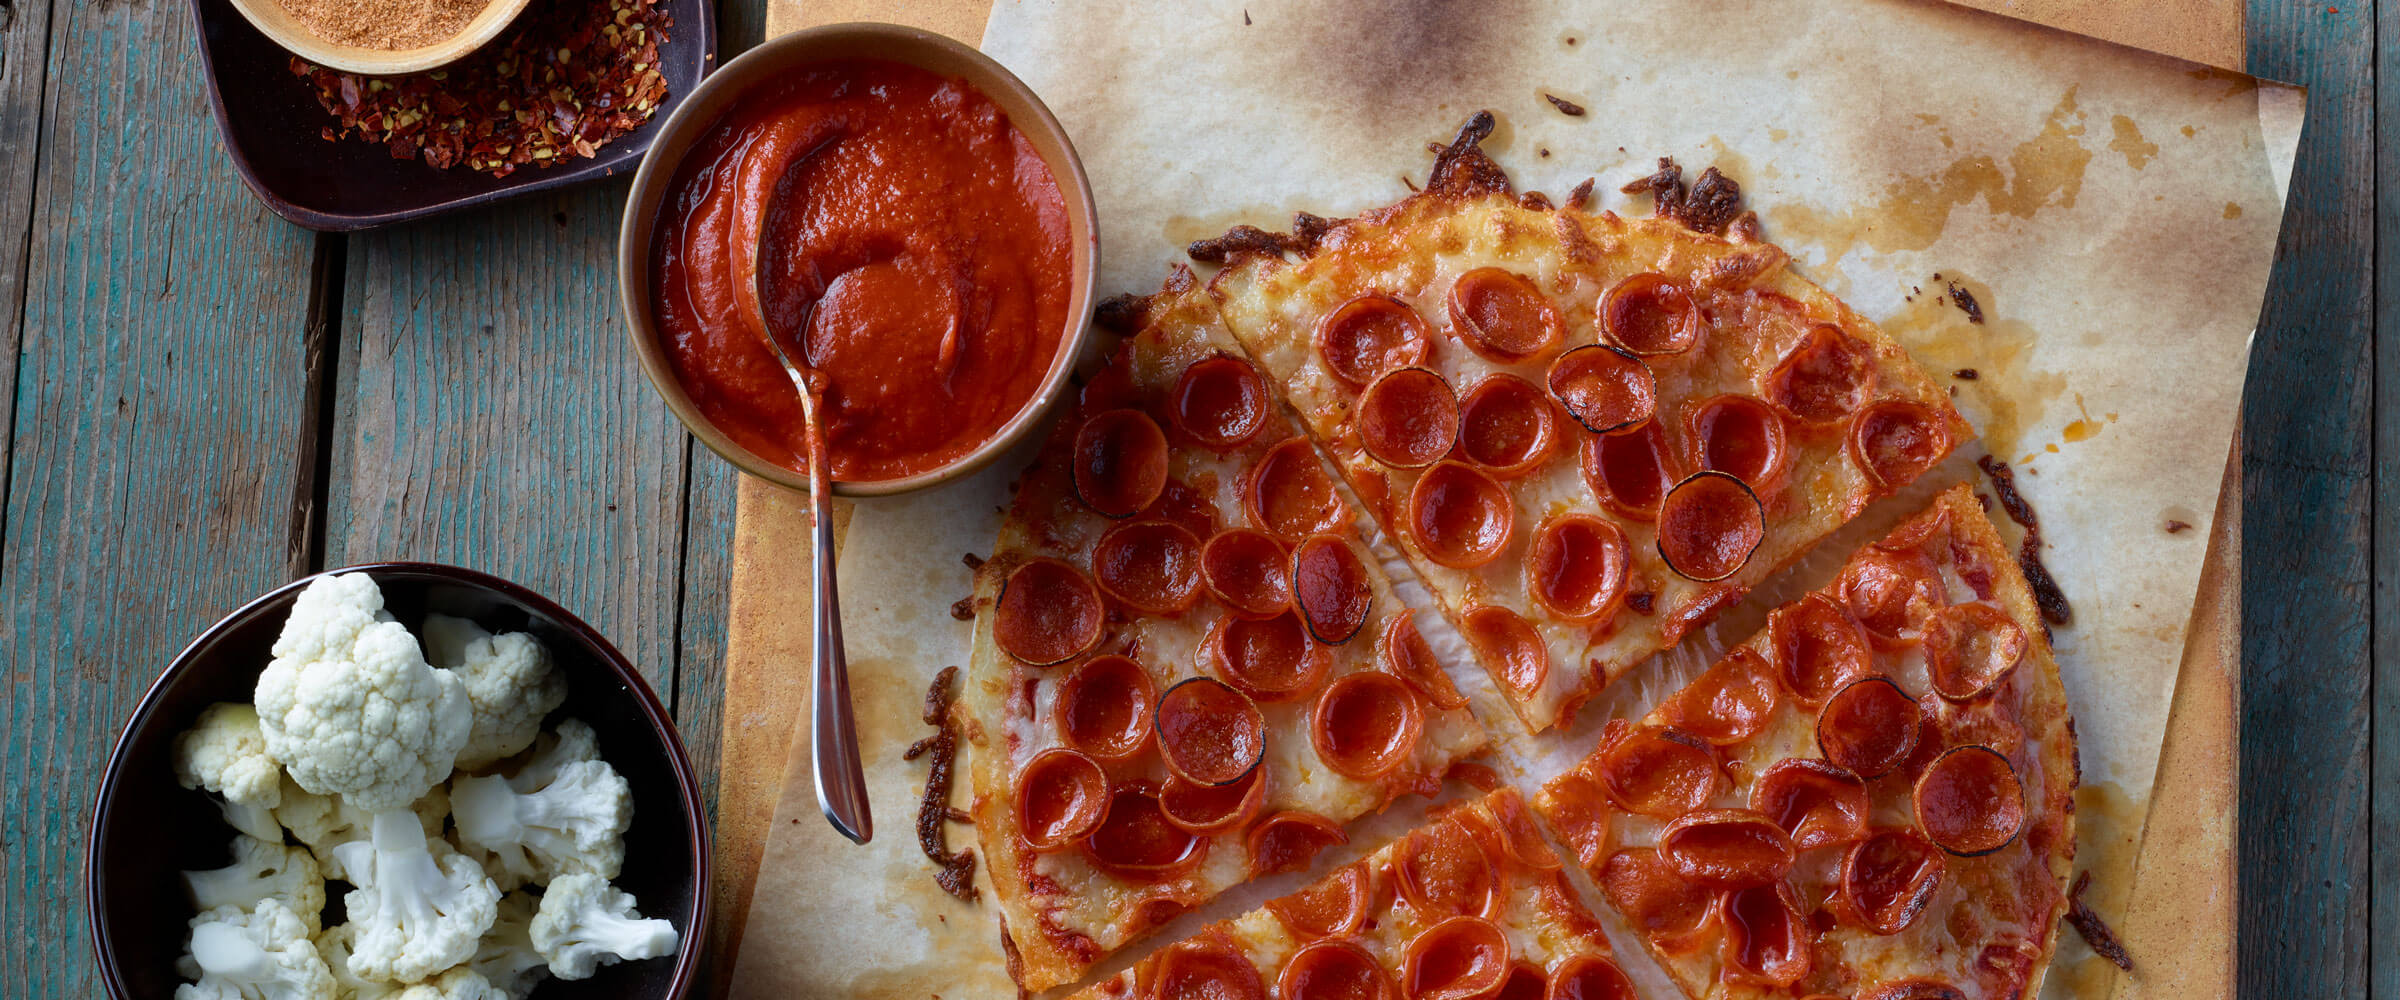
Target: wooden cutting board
2181 907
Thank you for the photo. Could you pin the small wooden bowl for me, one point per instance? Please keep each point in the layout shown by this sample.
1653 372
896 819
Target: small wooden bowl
280 26
761 67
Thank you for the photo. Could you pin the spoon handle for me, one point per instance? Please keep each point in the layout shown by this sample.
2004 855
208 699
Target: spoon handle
833 734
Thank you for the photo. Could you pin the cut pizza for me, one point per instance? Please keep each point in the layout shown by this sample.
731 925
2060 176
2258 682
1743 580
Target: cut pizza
1471 905
1872 798
1188 669
1589 434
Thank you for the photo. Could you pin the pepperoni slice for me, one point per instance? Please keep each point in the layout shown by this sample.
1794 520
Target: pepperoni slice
1890 593
1502 315
1969 801
1062 796
1459 516
1047 612
1137 842
1518 838
1886 880
1817 803
1369 334
1220 402
1403 651
1739 436
1288 840
1269 659
1151 566
1331 587
1726 848
1244 570
1767 941
1629 473
1729 702
1209 809
1408 418
1462 958
1506 425
1708 526
1365 724
1649 315
1334 970
1576 567
1819 648
1826 377
1603 388
1869 726
1970 649
1895 441
1211 967
1512 651
1525 982
1589 977
1104 707
1120 462
1289 494
1209 733
1656 771
1441 870
1334 906
1579 810
1931 523
1665 907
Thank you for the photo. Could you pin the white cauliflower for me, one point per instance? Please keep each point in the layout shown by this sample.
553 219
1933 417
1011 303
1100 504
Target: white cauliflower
262 954
225 753
349 705
509 682
256 821
461 983
325 822
585 923
419 907
507 958
576 823
571 742
262 870
333 945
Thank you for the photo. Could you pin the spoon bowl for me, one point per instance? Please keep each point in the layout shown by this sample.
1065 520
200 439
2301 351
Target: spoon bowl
278 24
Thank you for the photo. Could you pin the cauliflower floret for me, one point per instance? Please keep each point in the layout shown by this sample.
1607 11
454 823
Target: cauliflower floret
261 871
333 945
576 823
325 822
349 705
461 983
507 958
585 923
571 742
225 753
419 907
509 681
256 821
262 954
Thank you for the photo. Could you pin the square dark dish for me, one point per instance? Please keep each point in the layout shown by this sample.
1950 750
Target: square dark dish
271 123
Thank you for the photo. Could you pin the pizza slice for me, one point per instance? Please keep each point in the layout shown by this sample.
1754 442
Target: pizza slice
1188 669
1589 434
1471 905
1873 798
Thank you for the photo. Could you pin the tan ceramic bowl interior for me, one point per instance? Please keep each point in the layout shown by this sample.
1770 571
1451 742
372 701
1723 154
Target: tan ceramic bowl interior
278 24
760 66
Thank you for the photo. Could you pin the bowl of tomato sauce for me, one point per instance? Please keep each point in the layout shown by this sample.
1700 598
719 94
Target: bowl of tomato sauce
902 215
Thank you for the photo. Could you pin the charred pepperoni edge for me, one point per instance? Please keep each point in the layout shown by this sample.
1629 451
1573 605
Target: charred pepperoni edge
1914 726
2023 811
1754 504
1578 357
1844 895
1339 624
1084 485
1159 728
1380 395
1000 611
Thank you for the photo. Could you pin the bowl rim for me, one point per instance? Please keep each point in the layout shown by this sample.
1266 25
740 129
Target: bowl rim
701 109
689 951
286 32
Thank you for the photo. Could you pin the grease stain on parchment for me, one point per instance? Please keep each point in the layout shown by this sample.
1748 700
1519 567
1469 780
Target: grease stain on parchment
2138 151
2007 391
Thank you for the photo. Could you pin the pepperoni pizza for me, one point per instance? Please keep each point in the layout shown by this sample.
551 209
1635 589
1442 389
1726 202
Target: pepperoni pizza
1872 798
1590 434
1470 905
1187 669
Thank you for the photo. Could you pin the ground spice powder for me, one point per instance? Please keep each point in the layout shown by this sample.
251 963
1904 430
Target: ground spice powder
386 25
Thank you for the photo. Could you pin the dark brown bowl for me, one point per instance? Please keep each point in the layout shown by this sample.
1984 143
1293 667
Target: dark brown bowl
270 121
146 828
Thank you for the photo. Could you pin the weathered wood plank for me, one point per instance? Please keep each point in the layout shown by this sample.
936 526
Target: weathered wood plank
490 413
707 584
2306 569
24 36
2384 769
157 382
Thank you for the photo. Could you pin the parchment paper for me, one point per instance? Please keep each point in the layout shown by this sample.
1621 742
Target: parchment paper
2112 212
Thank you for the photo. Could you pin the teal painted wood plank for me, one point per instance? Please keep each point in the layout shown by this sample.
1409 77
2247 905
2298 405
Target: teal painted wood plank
2383 919
157 398
24 35
2307 471
707 586
490 413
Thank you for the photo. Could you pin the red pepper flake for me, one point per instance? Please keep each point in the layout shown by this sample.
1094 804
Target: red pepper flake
568 78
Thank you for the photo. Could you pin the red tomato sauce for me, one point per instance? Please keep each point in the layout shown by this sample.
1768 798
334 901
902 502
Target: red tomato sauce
915 251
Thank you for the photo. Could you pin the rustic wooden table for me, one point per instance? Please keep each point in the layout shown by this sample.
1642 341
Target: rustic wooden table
207 401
